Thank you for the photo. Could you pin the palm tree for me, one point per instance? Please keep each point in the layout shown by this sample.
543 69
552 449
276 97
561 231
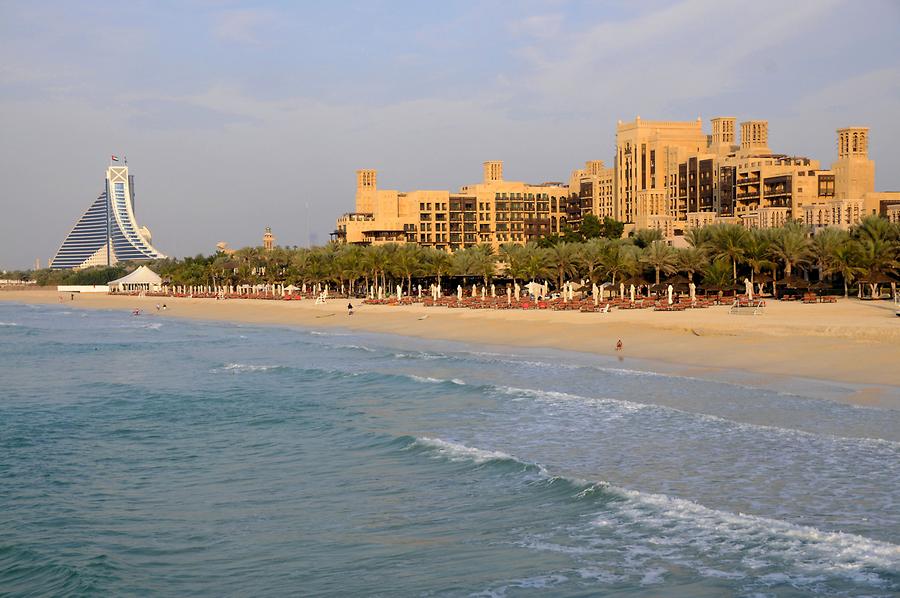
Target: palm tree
465 263
728 240
564 258
790 246
824 244
619 258
845 260
485 261
691 260
659 256
407 261
592 255
513 256
535 262
644 237
699 238
718 275
757 250
437 263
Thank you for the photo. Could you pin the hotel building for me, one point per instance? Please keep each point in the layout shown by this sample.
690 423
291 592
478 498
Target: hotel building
494 211
666 175
107 232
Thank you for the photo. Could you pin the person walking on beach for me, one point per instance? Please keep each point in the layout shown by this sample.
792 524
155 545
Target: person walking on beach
349 309
619 345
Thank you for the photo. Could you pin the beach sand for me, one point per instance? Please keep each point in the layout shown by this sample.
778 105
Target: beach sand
851 342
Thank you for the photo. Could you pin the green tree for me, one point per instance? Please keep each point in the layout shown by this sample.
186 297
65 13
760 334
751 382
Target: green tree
718 275
645 237
591 227
846 260
619 259
407 262
661 257
612 228
564 257
691 260
592 257
535 262
729 240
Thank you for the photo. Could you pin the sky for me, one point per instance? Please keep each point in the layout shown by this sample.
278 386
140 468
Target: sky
239 115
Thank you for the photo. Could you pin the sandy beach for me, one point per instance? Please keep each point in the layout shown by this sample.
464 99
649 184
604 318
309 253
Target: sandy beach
852 342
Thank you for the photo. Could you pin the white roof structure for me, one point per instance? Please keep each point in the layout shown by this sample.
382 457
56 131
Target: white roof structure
142 278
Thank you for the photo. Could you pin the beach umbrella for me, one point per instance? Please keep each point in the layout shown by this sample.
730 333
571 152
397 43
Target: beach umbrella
493 290
483 293
420 291
669 293
596 293
748 288
621 289
678 279
631 292
795 282
459 292
518 291
399 292
693 289
474 290
508 295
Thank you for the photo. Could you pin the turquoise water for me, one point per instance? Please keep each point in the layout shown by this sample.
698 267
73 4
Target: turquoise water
142 456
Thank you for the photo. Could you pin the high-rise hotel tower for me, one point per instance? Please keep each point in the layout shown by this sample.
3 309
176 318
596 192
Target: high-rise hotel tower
107 232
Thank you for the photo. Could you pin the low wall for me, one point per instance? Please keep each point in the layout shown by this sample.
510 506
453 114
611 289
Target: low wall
83 288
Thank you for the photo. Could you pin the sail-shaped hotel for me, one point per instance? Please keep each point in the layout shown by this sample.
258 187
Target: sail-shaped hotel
107 232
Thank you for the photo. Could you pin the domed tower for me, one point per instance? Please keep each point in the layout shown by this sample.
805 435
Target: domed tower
268 239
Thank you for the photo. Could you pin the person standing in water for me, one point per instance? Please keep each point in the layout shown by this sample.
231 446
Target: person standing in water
349 309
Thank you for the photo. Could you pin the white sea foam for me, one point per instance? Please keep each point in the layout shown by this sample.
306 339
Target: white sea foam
356 348
455 451
430 380
8 324
692 531
420 355
625 406
246 367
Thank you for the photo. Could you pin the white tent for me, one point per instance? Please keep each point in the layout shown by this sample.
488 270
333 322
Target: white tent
142 279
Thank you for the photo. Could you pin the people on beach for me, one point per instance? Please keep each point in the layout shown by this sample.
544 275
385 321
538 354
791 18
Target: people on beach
619 345
72 298
164 307
349 309
157 307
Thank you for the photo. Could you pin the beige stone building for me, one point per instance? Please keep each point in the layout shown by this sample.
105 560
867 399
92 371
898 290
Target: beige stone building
494 211
666 175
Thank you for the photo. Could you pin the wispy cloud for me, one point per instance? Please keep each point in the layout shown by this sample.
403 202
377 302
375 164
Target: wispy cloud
243 26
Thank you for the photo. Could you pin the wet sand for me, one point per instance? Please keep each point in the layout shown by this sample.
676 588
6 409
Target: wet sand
851 342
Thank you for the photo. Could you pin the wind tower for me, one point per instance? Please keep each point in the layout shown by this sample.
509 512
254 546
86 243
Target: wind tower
854 172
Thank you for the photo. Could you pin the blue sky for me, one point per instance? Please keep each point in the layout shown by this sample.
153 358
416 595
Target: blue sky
237 115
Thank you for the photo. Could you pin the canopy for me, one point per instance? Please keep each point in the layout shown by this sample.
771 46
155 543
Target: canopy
143 278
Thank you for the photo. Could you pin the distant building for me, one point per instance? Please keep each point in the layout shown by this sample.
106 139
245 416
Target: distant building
107 232
494 211
268 239
666 175
222 247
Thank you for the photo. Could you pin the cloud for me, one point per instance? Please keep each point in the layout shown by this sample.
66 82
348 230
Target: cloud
243 26
692 49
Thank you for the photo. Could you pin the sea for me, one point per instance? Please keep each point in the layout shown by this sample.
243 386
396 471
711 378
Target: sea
153 456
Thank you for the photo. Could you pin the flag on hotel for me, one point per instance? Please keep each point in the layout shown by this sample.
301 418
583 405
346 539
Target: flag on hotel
114 158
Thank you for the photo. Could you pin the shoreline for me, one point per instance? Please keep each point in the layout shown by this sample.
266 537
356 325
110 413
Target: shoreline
850 343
